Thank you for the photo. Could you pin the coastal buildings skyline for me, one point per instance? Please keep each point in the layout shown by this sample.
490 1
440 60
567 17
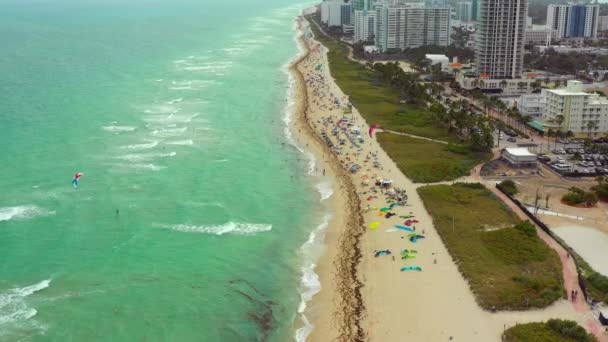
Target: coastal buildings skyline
574 20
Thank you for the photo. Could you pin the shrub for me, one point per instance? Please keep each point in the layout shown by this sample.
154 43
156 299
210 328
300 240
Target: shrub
527 228
579 196
569 329
509 186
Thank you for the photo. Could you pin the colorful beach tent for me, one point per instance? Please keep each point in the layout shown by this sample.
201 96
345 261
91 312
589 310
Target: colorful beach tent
385 209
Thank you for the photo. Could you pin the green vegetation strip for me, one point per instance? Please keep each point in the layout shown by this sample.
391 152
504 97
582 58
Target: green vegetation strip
424 161
554 330
379 103
508 267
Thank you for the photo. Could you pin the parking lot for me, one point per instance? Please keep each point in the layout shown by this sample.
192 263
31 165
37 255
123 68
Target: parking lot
573 157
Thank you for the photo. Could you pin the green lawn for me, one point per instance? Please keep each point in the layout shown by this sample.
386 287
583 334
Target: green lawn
506 264
425 161
554 330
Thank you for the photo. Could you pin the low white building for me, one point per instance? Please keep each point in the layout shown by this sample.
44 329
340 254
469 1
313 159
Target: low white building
519 157
506 86
531 105
581 112
539 35
443 60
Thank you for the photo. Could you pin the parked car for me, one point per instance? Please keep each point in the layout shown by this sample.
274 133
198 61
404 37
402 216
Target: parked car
511 139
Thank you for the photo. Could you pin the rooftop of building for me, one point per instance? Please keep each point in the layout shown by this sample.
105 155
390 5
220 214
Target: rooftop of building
519 152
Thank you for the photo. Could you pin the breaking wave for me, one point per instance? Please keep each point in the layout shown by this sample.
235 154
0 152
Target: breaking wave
13 307
233 228
23 212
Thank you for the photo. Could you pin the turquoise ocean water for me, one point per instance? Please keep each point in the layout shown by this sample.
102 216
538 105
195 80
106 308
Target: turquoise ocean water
193 219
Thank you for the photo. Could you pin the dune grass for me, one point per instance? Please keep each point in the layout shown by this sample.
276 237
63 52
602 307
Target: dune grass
508 267
555 330
424 161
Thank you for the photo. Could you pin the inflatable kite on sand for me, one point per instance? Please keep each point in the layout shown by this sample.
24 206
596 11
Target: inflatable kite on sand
372 128
76 178
374 225
411 268
405 228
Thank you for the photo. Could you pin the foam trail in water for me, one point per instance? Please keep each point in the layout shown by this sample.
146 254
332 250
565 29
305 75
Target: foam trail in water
115 128
310 284
23 212
234 228
143 146
146 156
325 189
180 142
13 307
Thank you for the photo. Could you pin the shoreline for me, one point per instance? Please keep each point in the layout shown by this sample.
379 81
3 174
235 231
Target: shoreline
389 305
338 264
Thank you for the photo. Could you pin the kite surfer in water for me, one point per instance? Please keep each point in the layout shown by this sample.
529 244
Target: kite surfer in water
76 178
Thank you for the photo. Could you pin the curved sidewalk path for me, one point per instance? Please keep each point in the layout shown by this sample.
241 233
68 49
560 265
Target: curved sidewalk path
569 270
416 136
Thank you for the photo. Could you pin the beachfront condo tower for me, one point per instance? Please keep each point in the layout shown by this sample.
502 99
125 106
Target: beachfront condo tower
499 50
411 25
574 20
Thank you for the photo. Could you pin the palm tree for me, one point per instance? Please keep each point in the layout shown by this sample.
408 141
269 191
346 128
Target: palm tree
590 125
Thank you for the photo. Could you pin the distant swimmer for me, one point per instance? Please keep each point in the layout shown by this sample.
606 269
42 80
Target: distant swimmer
76 178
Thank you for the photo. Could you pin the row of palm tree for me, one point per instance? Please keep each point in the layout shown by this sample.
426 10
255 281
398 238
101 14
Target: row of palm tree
454 116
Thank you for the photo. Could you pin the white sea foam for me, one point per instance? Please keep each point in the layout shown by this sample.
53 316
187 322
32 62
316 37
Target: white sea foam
170 132
180 142
179 99
289 112
161 109
233 228
325 189
23 212
145 156
13 307
191 84
171 118
310 284
115 128
142 146
150 167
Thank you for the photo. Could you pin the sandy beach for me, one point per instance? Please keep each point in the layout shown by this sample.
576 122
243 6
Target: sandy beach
380 302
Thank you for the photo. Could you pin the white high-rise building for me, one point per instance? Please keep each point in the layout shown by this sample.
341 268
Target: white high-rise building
581 112
365 26
464 11
573 20
331 12
499 46
412 25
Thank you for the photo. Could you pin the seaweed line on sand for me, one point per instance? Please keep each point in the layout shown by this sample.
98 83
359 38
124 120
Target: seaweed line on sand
350 310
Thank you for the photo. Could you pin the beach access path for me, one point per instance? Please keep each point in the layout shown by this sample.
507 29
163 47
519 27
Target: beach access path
432 305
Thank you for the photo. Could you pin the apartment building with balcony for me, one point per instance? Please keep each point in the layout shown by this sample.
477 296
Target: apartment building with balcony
581 113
